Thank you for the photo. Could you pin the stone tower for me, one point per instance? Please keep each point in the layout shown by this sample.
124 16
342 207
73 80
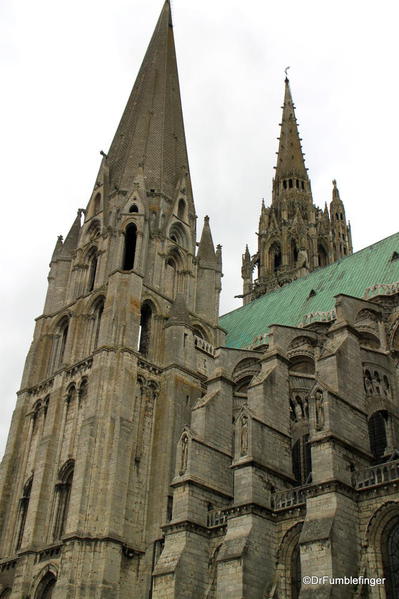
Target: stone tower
295 236
117 361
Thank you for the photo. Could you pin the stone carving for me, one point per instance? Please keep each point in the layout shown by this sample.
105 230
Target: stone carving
244 436
184 454
319 401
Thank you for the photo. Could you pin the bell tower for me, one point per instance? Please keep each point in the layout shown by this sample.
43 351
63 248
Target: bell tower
118 359
295 236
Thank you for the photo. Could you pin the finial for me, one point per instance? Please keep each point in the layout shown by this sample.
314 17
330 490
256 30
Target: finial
286 74
206 219
103 154
334 182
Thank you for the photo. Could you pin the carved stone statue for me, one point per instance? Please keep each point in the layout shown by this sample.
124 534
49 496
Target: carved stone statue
319 400
184 455
244 436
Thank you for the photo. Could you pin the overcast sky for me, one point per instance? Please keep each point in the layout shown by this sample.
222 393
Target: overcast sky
67 69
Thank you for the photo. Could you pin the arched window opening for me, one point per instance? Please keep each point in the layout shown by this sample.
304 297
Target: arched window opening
98 312
199 332
296 576
97 203
303 185
60 342
170 276
83 389
378 434
133 208
294 252
5 594
145 329
285 184
302 461
63 490
323 258
130 246
92 269
46 586
302 364
275 257
390 553
178 235
181 209
290 183
23 511
342 216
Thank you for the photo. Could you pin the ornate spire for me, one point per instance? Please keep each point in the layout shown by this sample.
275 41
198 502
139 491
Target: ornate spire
151 131
290 160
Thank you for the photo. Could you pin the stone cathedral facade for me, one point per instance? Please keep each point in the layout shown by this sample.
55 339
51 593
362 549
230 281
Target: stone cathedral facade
158 451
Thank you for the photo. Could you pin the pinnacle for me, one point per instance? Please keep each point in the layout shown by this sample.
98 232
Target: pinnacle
206 250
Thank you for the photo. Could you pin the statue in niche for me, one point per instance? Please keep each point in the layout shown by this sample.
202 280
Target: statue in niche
368 385
244 436
319 400
184 455
303 260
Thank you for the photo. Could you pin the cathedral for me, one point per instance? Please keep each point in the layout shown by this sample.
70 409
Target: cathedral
158 450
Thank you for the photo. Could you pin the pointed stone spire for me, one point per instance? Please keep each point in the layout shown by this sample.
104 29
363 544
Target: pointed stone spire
179 313
206 251
71 241
290 159
58 248
151 131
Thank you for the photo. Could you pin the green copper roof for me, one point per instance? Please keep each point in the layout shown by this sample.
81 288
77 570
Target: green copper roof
288 305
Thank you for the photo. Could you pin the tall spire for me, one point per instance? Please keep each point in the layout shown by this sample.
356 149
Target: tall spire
151 131
290 160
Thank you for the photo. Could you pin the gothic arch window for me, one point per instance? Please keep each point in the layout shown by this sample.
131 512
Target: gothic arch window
290 183
171 274
93 260
178 235
323 257
133 208
302 460
46 587
377 433
97 314
390 552
275 256
294 252
146 318
181 210
23 511
5 594
63 492
199 332
130 246
83 389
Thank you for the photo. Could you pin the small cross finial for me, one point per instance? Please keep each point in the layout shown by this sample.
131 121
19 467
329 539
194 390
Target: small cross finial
286 74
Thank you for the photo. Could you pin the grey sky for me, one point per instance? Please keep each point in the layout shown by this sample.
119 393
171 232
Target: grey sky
67 70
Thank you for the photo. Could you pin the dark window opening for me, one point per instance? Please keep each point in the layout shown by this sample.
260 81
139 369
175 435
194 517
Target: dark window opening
303 185
302 460
64 495
130 246
285 184
46 587
133 208
378 434
99 309
145 329
92 271
294 252
290 183
323 258
276 257
342 216
23 510
62 340
181 209
169 509
337 216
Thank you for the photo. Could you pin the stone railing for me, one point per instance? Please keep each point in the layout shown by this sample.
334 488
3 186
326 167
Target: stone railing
382 289
204 346
377 475
319 317
216 518
290 498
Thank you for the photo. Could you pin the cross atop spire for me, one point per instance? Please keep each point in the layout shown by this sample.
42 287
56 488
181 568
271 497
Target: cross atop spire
290 159
151 131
